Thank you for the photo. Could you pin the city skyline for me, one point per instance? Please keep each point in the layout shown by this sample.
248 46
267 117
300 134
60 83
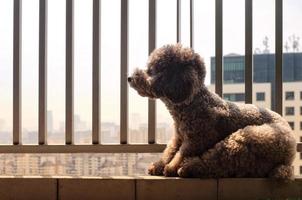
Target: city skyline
105 164
83 134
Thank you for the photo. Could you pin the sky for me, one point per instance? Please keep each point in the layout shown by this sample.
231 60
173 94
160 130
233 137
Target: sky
204 44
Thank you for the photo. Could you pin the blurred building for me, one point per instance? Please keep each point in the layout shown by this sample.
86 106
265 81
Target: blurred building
50 121
109 132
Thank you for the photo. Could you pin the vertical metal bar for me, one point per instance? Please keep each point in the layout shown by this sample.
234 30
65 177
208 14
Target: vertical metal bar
152 42
218 48
43 72
178 20
96 73
17 72
279 52
124 73
192 23
69 72
248 51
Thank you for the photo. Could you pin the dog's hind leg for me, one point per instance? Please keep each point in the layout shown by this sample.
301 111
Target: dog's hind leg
254 151
282 172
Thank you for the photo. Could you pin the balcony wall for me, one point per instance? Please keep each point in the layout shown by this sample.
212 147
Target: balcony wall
146 188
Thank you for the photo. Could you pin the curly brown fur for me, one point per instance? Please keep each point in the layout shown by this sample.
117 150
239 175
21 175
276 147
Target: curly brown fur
213 137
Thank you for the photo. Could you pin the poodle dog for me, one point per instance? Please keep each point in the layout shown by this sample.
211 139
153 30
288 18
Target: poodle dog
213 138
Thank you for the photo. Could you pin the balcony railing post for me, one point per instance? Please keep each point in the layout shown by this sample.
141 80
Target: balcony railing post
218 48
43 72
279 52
192 23
152 42
178 20
17 36
248 51
69 129
96 119
124 73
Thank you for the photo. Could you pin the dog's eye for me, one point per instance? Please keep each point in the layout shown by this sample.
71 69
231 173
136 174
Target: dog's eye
150 72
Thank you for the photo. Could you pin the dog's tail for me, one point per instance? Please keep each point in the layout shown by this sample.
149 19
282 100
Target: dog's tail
282 173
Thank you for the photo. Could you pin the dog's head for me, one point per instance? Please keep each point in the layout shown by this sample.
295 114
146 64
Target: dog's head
173 73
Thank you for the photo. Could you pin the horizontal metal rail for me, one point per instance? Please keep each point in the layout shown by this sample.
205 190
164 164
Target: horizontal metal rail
112 148
104 148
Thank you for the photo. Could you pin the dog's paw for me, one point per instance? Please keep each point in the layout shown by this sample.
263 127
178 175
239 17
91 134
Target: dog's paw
156 169
189 171
190 168
170 171
184 172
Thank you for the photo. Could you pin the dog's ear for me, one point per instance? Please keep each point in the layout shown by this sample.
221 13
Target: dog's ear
178 86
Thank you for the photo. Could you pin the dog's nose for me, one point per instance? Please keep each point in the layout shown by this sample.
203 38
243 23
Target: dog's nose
129 79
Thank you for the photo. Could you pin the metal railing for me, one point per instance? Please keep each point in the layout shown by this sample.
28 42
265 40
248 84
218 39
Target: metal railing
96 145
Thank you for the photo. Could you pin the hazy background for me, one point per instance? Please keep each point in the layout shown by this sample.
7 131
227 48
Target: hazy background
204 44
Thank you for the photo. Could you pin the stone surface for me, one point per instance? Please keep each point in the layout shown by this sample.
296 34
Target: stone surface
176 189
240 188
28 188
90 189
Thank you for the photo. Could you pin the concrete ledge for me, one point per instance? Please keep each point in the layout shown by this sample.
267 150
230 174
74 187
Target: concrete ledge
172 188
145 188
28 188
109 189
230 189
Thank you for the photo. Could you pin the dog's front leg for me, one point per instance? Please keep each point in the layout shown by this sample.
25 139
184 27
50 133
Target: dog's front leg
172 148
187 149
174 164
